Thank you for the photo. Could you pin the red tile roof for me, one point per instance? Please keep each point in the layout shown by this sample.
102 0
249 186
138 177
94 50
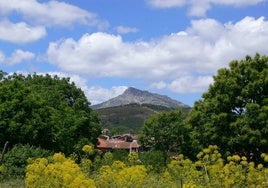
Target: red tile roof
116 144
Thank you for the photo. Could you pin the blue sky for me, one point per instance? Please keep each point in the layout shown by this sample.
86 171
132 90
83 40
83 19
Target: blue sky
170 47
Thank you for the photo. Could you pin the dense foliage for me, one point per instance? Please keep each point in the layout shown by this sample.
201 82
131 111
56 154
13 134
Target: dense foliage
45 111
59 172
209 170
233 113
165 131
15 160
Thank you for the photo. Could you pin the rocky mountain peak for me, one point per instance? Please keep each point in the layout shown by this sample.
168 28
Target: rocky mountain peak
135 92
133 95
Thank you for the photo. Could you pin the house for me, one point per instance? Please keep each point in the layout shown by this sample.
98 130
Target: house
123 142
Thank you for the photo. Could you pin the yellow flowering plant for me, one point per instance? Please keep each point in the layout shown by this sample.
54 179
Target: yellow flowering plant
61 172
120 175
209 171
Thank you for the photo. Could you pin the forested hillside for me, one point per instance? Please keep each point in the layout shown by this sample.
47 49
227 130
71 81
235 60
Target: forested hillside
129 118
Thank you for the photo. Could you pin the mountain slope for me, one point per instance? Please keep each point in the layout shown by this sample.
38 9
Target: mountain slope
133 95
129 118
127 112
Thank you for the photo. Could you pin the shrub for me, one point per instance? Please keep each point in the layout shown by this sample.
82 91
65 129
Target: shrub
60 172
120 175
153 160
210 170
15 160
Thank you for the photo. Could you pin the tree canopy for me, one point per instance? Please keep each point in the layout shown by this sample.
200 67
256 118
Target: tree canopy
233 113
165 131
45 111
2 74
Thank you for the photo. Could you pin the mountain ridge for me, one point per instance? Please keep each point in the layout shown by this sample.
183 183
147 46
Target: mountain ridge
132 95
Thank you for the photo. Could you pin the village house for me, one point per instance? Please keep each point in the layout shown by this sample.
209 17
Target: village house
123 142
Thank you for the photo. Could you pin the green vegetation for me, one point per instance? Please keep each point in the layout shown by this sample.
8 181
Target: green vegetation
15 160
233 113
128 118
209 170
165 132
221 142
45 111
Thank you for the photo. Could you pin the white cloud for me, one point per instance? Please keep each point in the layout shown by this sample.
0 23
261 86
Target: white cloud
191 56
20 32
79 81
2 57
200 7
125 30
200 28
94 94
102 54
18 56
98 94
186 84
166 3
236 2
159 85
198 84
49 13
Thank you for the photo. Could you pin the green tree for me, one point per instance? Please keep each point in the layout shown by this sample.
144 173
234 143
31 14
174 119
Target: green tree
233 113
45 111
2 74
154 160
165 131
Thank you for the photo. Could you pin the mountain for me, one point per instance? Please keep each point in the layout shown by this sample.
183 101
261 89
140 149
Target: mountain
127 112
136 96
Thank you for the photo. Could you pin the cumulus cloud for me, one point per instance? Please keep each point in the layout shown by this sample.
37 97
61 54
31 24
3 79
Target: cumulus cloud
188 58
16 57
125 30
98 94
49 13
20 32
19 55
200 7
197 84
102 54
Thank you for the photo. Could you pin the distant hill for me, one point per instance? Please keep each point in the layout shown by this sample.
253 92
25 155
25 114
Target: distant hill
127 112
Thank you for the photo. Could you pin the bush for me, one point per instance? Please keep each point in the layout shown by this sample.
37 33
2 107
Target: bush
60 172
120 175
209 170
15 160
154 160
120 155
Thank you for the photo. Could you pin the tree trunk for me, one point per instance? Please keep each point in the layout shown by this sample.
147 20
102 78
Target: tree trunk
3 152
